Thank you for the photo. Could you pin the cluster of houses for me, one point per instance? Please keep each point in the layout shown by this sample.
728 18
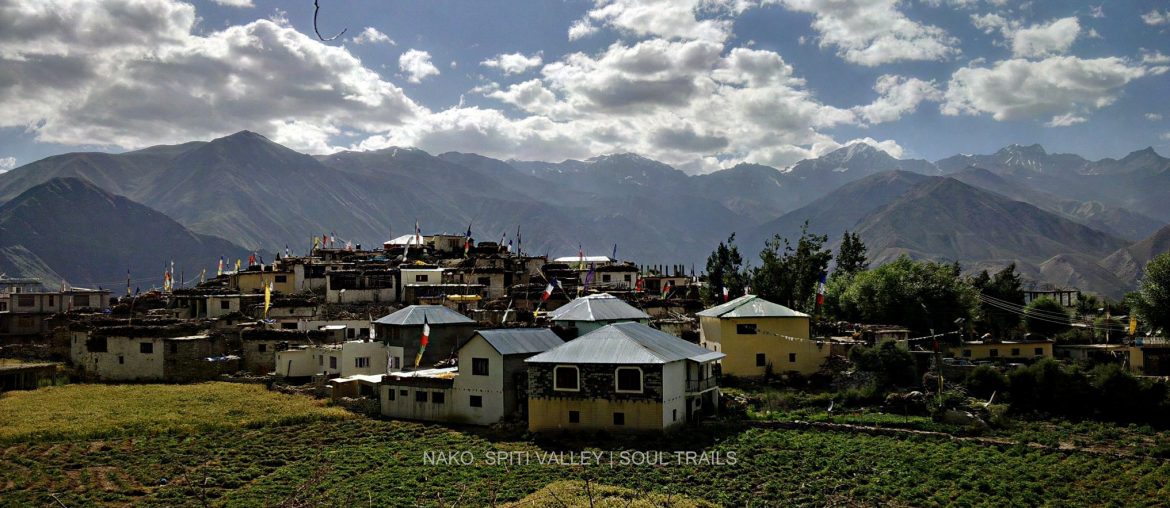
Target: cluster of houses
438 329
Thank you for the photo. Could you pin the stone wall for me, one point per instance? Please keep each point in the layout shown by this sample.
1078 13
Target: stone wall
597 382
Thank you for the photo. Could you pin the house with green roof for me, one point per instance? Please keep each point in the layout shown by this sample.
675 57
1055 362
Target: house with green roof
758 336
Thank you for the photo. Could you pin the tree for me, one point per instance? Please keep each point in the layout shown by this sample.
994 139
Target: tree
851 255
1153 295
724 270
1002 290
1047 317
919 295
789 275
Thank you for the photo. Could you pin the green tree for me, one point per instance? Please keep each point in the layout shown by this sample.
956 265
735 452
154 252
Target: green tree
1153 296
851 255
789 275
1002 290
724 270
1047 317
919 295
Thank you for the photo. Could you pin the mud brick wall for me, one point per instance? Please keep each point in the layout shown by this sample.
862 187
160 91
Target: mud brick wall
597 382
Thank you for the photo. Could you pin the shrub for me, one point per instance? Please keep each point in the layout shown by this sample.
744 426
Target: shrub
984 381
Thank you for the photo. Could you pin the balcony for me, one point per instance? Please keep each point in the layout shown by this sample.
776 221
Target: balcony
699 385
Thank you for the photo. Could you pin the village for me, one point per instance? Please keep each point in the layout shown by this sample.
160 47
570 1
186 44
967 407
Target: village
440 328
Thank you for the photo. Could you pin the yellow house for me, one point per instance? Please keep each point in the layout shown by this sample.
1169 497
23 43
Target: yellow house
252 280
1009 350
755 333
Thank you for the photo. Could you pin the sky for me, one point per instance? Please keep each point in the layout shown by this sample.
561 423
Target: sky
699 84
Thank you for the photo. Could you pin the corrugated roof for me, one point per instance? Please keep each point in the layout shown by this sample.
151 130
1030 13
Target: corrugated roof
435 315
750 306
402 240
588 259
599 307
626 343
511 341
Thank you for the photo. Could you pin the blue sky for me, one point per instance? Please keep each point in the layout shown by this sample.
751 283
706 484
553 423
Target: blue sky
699 84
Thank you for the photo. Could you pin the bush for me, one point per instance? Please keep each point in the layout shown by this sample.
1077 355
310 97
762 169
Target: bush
892 365
984 381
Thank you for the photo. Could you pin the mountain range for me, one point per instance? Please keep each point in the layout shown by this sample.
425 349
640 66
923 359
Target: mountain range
1063 219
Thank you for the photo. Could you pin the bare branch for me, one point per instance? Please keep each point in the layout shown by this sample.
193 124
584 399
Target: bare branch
316 9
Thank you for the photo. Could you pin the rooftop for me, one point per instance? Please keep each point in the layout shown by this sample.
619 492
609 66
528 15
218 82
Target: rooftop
749 306
599 307
626 343
434 314
510 341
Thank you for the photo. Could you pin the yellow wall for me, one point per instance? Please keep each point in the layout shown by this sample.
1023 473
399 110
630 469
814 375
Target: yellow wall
983 351
720 335
253 282
546 414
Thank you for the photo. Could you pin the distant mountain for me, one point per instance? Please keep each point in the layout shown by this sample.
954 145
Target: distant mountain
1017 160
945 219
69 229
1129 263
1083 271
753 190
836 212
817 177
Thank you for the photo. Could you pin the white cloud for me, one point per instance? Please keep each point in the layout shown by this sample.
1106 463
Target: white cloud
371 35
70 79
1156 17
235 3
671 19
1065 120
1035 41
1165 136
7 163
1097 11
1153 117
1061 88
1043 40
513 63
417 65
874 32
897 96
1154 57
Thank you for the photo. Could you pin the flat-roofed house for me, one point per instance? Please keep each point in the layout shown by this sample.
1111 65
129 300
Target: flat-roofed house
621 376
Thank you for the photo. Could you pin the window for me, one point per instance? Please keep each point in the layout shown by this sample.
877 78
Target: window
361 362
484 281
761 360
394 363
605 277
619 418
52 301
574 417
288 325
745 329
1015 351
402 392
479 366
174 347
26 301
967 353
420 396
1039 351
674 415
365 332
281 279
263 348
349 333
476 401
565 378
627 278
81 300
146 348
225 305
422 277
994 353
320 360
791 357
390 394
97 345
438 397
121 359
628 379
332 362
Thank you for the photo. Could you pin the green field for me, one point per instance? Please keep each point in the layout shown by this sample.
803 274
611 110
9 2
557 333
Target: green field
317 458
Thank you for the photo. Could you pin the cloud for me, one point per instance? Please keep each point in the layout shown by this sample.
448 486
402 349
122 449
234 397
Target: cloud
513 63
70 79
897 96
1034 41
1154 57
1156 17
1062 88
874 32
670 19
1153 117
235 3
7 163
417 65
1065 120
371 35
1097 11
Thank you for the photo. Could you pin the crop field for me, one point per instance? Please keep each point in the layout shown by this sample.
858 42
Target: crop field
315 458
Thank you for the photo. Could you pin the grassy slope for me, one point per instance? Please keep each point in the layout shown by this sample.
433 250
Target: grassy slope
361 461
